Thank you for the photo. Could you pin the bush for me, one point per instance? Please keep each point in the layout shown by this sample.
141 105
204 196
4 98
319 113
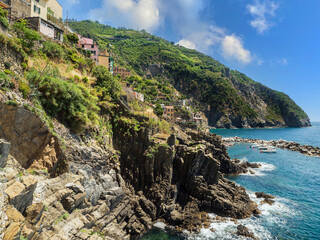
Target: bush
26 35
106 82
158 110
24 89
3 18
5 81
85 80
72 38
53 50
71 103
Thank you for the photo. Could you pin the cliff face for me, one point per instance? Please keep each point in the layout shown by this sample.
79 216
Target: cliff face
73 188
269 108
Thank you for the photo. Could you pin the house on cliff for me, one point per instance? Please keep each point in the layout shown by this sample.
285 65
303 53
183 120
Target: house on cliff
39 18
121 71
89 45
36 13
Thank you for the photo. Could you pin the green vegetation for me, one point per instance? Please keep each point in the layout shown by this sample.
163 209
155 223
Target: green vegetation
71 103
158 110
3 18
5 81
72 38
26 35
62 217
194 74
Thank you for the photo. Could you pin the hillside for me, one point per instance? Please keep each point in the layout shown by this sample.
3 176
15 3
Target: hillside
228 97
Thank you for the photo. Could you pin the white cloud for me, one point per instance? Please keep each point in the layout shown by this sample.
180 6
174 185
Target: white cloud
186 44
283 61
232 48
141 14
182 16
262 13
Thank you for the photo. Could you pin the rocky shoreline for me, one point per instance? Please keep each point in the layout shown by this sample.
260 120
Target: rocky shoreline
283 144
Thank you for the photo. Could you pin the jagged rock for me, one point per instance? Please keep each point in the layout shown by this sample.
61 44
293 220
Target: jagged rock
34 212
267 198
243 231
4 152
21 194
172 140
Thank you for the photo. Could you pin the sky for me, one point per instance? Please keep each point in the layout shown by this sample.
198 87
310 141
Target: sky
275 42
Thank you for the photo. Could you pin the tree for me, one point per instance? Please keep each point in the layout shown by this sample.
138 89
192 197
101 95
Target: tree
72 38
158 110
106 82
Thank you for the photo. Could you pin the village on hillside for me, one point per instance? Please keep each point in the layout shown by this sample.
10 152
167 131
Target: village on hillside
46 17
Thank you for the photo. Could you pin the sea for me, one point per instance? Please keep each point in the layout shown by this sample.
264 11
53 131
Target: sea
293 178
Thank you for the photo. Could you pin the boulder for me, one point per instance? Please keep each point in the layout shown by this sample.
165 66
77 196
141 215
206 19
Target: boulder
243 231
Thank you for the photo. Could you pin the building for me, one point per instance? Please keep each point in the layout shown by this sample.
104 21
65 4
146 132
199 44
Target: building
39 8
17 9
89 45
46 28
121 71
168 111
55 9
197 119
104 59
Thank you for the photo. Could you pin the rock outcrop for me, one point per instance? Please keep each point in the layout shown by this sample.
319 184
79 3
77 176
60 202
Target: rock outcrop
70 187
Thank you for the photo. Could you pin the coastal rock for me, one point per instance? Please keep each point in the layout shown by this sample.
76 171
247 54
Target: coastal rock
243 231
267 198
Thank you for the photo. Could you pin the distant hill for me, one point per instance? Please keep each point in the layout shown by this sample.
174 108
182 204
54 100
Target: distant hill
229 98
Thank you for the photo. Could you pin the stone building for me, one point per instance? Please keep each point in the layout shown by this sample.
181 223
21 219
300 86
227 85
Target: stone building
17 9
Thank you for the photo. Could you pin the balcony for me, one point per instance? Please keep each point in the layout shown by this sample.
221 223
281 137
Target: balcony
5 3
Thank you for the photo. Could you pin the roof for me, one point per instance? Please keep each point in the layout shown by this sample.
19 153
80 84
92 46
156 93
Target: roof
83 40
170 107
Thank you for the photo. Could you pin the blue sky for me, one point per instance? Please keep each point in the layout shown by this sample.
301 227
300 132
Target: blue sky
275 42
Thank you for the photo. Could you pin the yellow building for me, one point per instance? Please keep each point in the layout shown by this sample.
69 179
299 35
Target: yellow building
55 9
39 9
104 59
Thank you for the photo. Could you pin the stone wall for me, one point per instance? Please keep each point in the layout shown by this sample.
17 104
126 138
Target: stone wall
10 57
20 9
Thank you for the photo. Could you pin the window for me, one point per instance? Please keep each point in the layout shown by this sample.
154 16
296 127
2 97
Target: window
82 45
92 46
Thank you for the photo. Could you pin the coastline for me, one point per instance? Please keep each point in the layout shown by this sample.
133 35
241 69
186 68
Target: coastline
283 144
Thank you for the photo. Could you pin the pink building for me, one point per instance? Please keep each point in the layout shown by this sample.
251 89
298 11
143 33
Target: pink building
88 44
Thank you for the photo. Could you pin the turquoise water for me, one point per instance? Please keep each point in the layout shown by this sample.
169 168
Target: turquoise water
294 179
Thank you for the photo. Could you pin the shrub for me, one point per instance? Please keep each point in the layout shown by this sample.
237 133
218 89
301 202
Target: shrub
5 81
158 110
71 103
24 89
53 50
26 35
3 18
85 80
72 38
109 85
7 65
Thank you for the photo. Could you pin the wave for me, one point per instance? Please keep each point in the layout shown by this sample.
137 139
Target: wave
271 215
265 167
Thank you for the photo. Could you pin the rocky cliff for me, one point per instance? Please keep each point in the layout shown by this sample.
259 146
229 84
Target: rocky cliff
67 186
